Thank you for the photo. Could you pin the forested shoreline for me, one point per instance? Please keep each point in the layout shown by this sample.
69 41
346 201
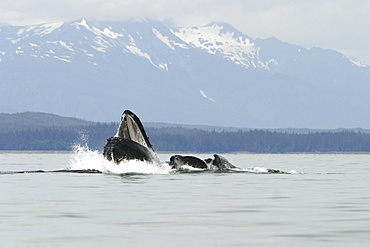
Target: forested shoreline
188 140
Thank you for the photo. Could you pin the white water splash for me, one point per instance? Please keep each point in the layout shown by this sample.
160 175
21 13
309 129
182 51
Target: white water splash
259 169
263 170
84 158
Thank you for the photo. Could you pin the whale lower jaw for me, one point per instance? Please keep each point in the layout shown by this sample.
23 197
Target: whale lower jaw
120 149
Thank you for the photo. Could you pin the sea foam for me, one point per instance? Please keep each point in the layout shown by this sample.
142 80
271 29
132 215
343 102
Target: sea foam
84 158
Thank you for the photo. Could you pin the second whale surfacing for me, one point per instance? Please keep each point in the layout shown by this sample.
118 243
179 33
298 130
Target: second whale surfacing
217 163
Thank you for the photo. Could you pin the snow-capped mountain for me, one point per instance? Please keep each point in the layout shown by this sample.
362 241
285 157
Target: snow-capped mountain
222 40
212 75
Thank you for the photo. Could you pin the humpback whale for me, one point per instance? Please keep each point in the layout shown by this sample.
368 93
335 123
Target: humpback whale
218 163
177 161
130 142
222 163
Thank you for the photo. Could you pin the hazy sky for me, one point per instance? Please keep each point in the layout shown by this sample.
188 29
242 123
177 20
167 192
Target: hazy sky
342 25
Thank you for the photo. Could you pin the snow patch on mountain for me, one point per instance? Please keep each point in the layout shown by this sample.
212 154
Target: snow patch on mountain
64 59
19 50
36 30
136 51
358 63
104 38
105 32
218 40
166 40
205 96
62 44
45 29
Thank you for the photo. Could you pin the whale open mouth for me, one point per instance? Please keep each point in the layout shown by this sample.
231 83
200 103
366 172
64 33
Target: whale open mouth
130 142
131 128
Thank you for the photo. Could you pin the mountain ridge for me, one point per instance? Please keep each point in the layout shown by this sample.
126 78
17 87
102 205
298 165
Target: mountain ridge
33 120
196 75
39 120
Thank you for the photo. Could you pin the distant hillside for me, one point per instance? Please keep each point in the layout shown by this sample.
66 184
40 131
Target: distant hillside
42 131
32 120
36 120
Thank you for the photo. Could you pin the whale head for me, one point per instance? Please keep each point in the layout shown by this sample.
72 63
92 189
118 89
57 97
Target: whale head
131 128
130 142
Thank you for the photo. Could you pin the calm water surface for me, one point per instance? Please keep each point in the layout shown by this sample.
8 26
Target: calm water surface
326 202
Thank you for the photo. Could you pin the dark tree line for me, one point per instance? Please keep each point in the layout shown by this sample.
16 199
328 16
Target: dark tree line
258 141
188 140
57 138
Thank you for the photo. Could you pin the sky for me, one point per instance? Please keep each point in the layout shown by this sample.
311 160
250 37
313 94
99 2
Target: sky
341 25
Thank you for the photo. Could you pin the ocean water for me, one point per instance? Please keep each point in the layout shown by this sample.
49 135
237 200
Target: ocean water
323 201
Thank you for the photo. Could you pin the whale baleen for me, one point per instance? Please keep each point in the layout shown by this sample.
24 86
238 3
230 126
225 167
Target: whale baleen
130 142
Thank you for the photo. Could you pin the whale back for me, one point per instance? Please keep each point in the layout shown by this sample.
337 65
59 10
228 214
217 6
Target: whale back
178 161
222 163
